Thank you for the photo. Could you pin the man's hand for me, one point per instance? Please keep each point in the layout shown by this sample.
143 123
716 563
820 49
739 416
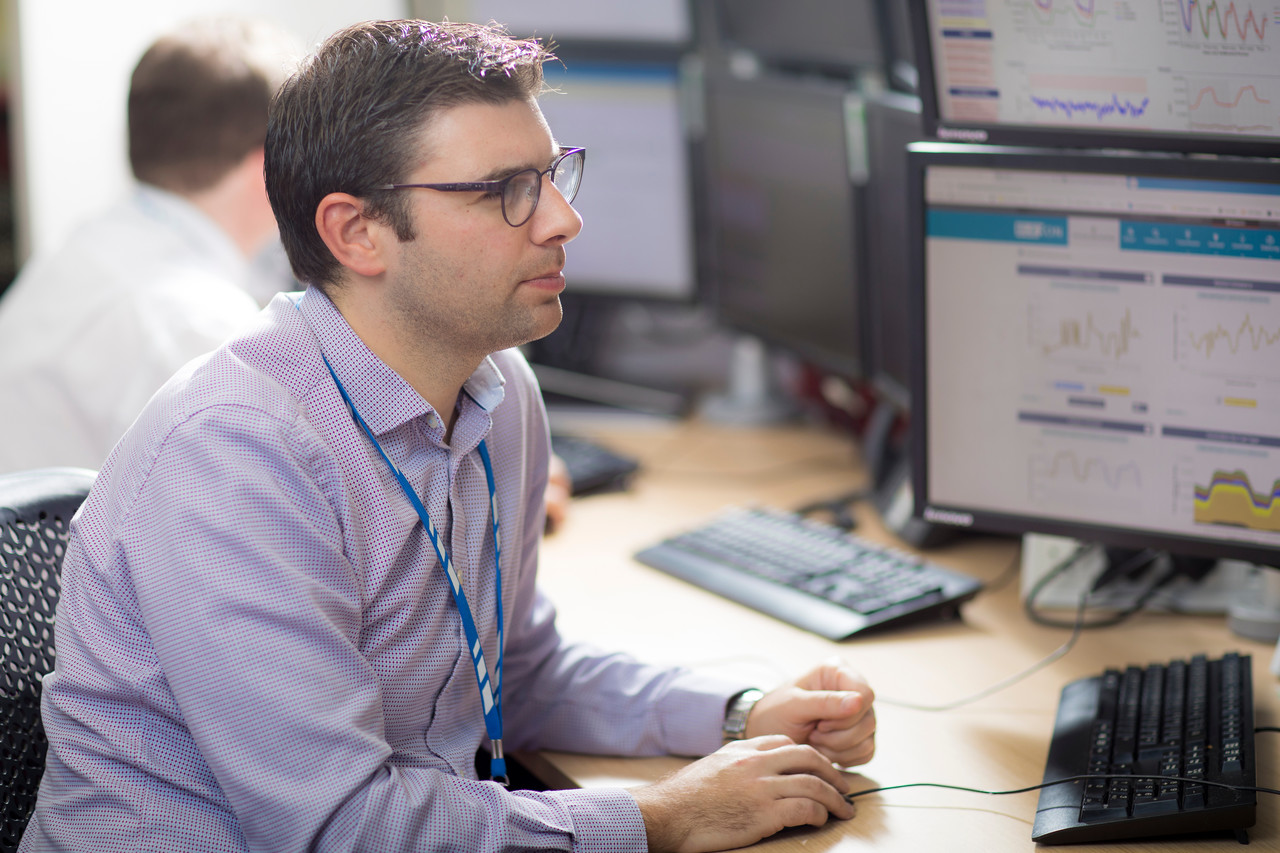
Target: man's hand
828 708
559 491
745 791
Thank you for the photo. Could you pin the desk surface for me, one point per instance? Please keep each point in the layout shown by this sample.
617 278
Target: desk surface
691 471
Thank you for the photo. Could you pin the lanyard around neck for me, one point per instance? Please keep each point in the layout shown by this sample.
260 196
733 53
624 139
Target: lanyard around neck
490 693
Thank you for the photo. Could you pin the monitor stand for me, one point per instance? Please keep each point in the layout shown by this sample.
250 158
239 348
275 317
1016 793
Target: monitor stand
895 500
564 361
888 466
559 383
1197 587
753 397
888 463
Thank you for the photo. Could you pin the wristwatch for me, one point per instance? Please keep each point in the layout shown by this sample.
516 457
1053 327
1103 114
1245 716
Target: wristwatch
736 712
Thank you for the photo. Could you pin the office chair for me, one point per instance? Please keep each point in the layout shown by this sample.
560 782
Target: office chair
35 508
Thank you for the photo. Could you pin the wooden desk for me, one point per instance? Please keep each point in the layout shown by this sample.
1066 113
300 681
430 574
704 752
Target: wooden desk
691 471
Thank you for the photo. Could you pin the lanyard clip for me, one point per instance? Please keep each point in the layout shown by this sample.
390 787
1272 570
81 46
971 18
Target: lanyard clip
498 764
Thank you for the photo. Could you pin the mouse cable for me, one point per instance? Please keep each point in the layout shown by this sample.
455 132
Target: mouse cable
1006 682
1088 777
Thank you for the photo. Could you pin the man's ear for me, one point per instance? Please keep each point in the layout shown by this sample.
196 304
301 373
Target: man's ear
354 239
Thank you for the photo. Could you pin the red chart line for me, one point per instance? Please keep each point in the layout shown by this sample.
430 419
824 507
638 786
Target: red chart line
1239 94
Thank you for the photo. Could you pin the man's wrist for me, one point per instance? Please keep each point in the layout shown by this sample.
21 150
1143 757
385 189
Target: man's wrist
736 712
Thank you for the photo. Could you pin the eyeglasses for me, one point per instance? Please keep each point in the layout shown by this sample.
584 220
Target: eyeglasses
520 192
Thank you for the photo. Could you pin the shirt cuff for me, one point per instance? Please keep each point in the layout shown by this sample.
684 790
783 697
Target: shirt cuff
605 820
691 714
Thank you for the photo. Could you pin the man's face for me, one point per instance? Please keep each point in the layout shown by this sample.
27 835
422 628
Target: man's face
469 280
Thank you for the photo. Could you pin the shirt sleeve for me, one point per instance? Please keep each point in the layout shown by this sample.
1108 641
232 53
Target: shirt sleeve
244 624
573 696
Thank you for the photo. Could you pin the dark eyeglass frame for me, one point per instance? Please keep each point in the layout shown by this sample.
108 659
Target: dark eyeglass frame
500 186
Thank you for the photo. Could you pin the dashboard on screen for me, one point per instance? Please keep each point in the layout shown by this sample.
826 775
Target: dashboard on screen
1180 75
1098 342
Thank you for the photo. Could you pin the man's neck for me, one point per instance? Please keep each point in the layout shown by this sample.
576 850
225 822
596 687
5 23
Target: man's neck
238 205
436 373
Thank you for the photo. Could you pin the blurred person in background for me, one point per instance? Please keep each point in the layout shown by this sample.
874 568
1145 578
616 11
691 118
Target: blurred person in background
89 331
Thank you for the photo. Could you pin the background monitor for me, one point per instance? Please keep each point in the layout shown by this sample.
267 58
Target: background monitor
900 46
637 237
784 156
1172 75
837 35
636 202
654 21
893 121
1099 347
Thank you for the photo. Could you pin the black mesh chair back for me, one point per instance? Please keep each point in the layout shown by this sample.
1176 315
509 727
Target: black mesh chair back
35 508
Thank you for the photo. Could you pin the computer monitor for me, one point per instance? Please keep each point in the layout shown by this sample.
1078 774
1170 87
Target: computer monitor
834 35
566 21
900 46
1178 75
785 156
893 122
1098 347
637 239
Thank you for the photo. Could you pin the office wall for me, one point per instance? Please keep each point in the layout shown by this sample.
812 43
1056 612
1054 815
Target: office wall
70 63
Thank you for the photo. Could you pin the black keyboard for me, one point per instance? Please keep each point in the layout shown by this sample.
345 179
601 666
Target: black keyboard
1189 718
808 573
592 467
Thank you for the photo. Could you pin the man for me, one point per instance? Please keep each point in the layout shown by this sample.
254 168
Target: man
89 332
302 593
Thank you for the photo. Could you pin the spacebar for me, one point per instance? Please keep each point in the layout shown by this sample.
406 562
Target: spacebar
782 602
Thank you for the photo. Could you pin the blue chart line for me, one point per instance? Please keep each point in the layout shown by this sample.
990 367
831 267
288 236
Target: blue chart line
1100 110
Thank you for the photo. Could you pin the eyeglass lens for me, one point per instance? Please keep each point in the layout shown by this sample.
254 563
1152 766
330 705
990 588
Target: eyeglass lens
524 189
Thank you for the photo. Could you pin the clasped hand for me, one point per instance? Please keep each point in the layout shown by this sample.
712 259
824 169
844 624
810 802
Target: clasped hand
781 775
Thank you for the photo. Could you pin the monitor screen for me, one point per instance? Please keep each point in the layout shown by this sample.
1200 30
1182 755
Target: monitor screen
1100 347
635 200
835 34
893 121
1175 75
783 214
657 21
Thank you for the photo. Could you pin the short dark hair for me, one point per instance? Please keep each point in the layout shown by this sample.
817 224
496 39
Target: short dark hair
198 100
350 119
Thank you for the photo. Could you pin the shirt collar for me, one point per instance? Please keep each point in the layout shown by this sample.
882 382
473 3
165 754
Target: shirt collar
385 400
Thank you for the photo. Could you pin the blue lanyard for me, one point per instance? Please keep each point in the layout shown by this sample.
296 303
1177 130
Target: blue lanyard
490 694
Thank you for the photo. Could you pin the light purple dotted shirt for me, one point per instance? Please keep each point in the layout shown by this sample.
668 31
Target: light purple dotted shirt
257 649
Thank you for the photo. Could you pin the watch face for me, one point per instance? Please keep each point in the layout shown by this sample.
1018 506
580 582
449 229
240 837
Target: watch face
735 720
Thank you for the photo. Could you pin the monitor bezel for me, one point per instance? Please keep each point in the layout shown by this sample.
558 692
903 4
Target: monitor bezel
1059 136
925 154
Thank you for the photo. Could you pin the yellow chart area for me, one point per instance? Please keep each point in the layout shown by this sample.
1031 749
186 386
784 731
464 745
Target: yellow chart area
1230 499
